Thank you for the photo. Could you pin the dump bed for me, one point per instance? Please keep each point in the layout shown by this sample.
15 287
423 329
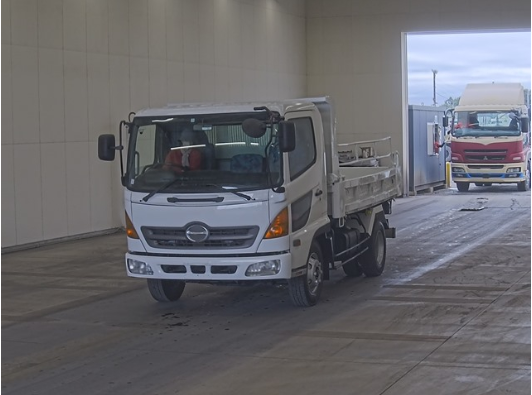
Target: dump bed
364 179
360 174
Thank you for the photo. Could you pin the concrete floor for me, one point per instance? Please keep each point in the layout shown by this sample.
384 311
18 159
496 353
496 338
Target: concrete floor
449 315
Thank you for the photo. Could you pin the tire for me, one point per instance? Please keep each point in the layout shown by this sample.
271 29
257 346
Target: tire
352 269
462 186
166 290
525 185
373 260
305 290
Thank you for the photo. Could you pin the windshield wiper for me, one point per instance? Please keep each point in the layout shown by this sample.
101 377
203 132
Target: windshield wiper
242 195
170 183
162 188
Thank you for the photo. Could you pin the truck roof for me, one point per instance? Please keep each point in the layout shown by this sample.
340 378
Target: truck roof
502 96
282 106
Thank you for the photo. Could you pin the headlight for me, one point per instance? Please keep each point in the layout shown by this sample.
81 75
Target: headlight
265 268
458 170
513 170
138 267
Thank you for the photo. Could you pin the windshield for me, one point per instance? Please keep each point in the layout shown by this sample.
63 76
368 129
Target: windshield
201 153
485 123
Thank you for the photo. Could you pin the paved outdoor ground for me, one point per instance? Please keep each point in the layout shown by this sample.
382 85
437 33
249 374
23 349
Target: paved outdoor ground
449 315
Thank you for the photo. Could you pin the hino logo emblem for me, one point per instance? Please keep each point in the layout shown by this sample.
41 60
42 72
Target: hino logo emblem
197 233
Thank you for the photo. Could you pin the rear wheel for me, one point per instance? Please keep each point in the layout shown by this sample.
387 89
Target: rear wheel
352 269
462 186
305 290
373 260
166 290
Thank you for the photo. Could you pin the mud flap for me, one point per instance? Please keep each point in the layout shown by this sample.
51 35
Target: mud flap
390 233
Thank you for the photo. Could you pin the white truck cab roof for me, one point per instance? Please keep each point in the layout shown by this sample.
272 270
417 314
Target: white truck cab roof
282 106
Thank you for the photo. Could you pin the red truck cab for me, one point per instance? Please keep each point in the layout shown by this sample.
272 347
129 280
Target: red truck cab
490 142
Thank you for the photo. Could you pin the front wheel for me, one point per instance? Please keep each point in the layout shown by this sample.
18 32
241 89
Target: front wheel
166 290
373 260
525 185
462 186
305 290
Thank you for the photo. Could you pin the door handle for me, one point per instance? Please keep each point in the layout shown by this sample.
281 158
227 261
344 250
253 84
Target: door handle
318 192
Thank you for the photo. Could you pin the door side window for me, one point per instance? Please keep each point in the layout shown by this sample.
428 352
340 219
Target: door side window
145 148
304 155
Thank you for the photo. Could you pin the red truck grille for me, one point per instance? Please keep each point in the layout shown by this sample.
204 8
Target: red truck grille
485 154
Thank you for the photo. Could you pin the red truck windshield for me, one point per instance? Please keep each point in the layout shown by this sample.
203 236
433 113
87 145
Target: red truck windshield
485 124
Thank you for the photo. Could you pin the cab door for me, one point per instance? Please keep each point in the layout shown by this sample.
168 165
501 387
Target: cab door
305 183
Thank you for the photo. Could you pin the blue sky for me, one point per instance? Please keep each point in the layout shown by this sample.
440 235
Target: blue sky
464 58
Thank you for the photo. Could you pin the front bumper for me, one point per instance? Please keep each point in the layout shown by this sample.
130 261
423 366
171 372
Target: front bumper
481 173
215 268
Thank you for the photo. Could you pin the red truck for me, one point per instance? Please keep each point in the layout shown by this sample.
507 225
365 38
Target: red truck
490 136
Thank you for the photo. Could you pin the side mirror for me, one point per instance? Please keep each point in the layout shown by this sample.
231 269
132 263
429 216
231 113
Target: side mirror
106 147
445 121
287 136
524 125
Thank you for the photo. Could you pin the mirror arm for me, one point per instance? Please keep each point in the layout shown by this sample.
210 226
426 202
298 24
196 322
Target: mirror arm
120 147
274 116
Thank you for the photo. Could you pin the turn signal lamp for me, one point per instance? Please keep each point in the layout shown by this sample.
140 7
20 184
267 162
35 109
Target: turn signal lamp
279 226
130 229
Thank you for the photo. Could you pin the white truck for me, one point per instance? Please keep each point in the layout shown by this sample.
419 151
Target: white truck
268 198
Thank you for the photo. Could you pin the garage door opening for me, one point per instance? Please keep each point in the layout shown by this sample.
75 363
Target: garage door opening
438 68
440 65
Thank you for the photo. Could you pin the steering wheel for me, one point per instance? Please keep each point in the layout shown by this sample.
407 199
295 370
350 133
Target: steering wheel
157 166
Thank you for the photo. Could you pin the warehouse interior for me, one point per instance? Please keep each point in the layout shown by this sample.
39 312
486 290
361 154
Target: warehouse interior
449 311
72 69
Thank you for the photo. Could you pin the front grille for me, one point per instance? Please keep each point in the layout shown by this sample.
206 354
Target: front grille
219 238
494 167
485 154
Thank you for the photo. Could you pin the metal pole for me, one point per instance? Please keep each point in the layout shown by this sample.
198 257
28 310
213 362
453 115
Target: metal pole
434 72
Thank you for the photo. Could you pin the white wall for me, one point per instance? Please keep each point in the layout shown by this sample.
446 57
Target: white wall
72 69
354 54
